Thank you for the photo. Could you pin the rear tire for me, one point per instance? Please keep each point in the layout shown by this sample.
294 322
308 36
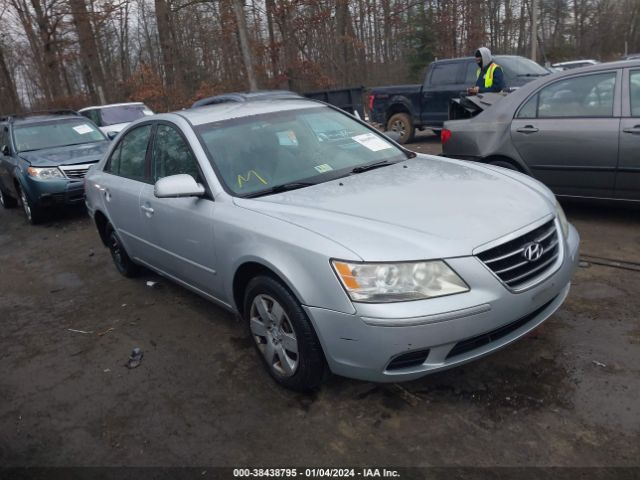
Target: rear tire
6 201
120 257
283 335
402 123
505 164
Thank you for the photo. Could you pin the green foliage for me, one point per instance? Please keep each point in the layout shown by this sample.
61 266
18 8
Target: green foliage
420 42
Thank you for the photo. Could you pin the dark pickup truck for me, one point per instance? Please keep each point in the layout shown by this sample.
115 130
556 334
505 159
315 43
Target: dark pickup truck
405 108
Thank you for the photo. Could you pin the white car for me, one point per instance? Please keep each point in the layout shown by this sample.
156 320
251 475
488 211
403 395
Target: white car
114 117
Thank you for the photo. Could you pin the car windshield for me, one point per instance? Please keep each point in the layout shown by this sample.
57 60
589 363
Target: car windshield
256 154
123 114
519 66
58 133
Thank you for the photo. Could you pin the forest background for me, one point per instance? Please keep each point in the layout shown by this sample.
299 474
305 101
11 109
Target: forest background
167 53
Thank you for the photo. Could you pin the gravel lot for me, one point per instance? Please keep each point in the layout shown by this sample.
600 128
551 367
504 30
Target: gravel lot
566 395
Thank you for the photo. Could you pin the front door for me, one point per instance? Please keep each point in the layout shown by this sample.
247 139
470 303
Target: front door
179 230
628 179
567 133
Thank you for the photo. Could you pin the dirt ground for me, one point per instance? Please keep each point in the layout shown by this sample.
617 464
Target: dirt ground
566 396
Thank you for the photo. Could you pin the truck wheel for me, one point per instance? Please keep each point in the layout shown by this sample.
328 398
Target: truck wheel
283 335
32 212
6 201
401 123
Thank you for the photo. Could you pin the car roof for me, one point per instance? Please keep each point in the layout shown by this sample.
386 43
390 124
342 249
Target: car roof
229 110
466 59
38 117
98 107
245 97
575 62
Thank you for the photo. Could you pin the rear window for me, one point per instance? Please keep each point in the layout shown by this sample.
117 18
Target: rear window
123 114
520 67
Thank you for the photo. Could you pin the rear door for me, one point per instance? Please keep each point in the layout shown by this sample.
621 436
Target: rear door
179 231
567 133
628 178
124 175
443 82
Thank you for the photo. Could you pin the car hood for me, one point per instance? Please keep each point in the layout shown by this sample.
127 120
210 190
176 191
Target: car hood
428 207
69 155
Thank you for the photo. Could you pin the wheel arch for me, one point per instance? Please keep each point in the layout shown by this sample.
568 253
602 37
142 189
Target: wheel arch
251 269
102 222
520 166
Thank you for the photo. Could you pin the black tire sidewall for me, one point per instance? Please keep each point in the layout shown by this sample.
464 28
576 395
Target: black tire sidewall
126 266
311 362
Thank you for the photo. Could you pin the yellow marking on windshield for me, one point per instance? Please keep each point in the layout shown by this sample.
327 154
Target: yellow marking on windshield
242 180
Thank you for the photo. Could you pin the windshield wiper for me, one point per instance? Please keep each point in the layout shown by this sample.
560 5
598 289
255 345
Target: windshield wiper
371 166
533 74
285 187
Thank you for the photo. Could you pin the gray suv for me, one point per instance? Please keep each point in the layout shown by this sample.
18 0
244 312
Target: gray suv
340 250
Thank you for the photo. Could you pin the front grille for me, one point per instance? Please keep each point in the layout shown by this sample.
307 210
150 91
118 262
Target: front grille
508 262
481 340
75 171
406 360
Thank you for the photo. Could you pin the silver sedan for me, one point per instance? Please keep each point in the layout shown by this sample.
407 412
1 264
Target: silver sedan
578 132
340 250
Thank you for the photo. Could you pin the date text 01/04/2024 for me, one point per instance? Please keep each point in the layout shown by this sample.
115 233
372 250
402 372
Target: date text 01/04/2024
316 472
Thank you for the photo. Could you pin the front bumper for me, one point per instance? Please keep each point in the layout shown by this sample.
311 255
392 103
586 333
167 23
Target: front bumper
51 193
440 332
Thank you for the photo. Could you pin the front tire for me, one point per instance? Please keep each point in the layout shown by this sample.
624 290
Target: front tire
33 213
120 257
402 123
283 335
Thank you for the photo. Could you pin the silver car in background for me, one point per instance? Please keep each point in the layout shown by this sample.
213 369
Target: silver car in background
578 132
114 117
341 251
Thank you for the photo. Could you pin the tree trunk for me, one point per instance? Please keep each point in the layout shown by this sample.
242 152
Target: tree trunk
245 47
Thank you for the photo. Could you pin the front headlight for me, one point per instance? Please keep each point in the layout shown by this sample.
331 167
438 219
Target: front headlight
48 173
564 223
397 282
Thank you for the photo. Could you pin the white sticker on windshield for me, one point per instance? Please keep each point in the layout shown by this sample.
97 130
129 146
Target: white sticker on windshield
372 142
323 168
82 129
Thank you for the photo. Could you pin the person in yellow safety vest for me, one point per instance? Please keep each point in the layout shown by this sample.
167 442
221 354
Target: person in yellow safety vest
490 77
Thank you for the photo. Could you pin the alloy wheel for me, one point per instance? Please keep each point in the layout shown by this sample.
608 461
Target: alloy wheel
274 335
399 126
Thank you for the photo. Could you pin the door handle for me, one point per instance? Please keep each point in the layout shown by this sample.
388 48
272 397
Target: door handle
107 195
635 130
147 210
527 129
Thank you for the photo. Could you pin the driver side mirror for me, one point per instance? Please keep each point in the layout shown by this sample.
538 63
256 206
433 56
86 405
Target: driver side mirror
6 150
178 186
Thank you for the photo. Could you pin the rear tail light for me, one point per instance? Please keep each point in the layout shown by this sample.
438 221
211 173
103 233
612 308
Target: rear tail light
371 100
445 135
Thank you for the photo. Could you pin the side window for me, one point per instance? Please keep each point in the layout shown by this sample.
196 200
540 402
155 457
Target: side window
529 109
471 74
4 137
94 115
128 159
444 74
585 96
172 155
634 92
